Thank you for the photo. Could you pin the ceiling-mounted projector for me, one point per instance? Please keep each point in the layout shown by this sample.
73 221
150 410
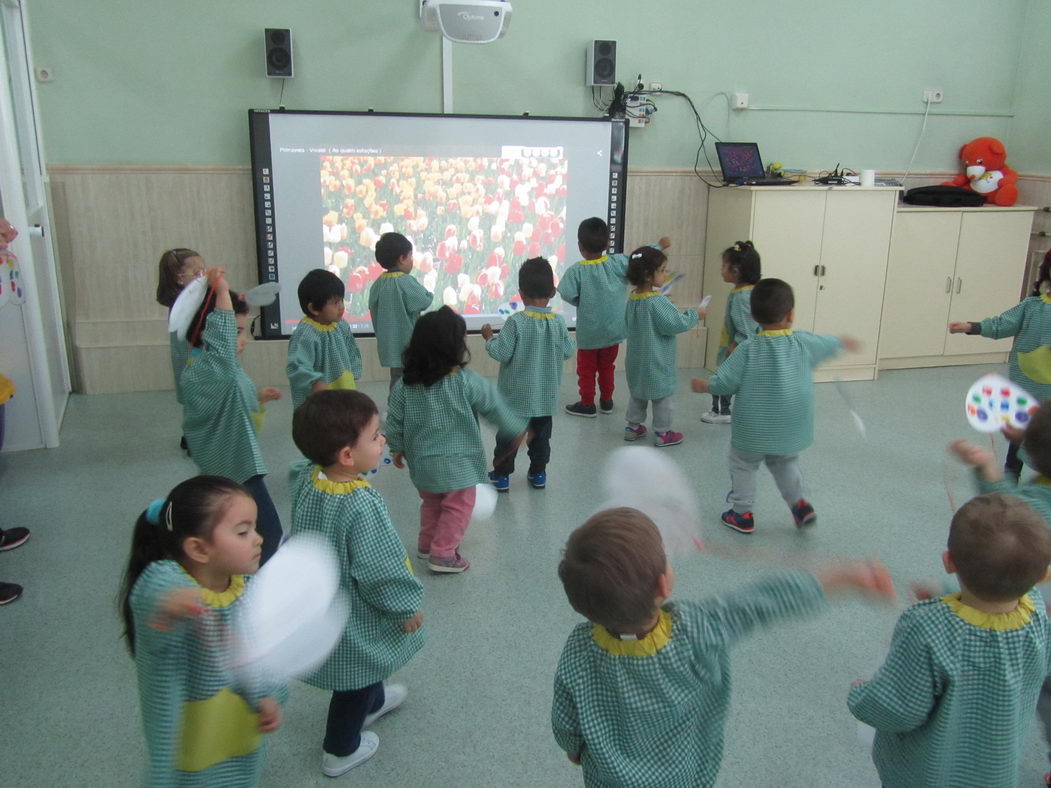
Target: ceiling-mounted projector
466 21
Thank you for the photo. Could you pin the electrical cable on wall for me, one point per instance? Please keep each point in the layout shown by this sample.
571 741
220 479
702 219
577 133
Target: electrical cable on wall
645 106
919 139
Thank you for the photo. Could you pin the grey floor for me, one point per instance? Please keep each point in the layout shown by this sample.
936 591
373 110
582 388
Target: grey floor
477 712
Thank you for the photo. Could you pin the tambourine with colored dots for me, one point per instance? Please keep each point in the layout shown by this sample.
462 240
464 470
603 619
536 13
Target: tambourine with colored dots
994 402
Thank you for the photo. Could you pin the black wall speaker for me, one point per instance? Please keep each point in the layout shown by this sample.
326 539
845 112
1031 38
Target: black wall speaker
278 41
601 65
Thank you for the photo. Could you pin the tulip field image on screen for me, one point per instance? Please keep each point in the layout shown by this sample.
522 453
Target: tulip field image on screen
472 222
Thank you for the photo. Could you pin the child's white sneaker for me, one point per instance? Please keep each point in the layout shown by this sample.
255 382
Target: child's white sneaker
393 696
335 765
711 417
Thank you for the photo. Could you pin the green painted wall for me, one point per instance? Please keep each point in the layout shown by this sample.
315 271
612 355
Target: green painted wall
168 83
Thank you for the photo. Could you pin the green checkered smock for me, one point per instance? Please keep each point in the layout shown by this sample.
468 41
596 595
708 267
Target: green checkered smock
180 351
1029 364
1036 493
771 374
437 428
395 302
201 726
738 324
319 352
598 289
650 713
374 573
952 703
531 348
653 321
219 402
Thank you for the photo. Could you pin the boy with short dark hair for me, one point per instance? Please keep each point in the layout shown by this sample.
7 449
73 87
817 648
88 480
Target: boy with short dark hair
322 352
395 301
531 348
339 433
612 711
952 703
771 374
597 287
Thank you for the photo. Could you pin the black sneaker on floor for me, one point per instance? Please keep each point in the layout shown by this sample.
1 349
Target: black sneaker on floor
9 592
580 409
12 538
606 406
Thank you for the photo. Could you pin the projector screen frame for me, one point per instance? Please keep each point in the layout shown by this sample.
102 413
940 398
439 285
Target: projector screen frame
266 229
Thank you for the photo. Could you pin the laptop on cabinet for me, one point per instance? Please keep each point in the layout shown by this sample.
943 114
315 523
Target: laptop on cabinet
742 165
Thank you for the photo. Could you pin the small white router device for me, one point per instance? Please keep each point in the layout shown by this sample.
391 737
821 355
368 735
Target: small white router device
466 21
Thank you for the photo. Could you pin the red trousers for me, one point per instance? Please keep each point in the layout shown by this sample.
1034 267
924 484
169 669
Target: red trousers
598 361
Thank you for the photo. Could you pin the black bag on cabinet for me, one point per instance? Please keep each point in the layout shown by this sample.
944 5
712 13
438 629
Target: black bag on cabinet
943 197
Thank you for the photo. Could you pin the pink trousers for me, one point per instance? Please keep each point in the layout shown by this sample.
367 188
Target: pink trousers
444 518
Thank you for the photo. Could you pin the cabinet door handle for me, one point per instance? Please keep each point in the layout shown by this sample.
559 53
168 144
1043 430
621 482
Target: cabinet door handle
822 270
817 270
959 285
948 284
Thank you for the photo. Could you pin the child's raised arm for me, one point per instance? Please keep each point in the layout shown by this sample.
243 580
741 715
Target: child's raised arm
978 458
501 347
1006 325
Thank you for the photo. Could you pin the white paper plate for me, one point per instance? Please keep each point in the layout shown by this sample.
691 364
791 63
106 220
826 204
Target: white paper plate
645 479
186 306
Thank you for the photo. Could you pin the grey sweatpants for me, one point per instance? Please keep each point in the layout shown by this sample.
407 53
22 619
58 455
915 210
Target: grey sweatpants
744 464
662 410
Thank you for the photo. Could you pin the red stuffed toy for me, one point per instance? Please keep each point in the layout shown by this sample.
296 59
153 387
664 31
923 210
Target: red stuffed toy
986 171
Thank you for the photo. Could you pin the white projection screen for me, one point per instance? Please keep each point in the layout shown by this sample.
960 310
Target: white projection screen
476 195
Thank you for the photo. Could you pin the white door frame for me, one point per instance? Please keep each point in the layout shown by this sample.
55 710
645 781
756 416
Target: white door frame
23 186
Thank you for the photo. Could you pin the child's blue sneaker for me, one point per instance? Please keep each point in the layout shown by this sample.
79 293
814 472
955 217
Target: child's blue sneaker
538 480
501 483
744 523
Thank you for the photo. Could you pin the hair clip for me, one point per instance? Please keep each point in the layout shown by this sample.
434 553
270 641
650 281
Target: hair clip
737 247
636 255
168 517
153 512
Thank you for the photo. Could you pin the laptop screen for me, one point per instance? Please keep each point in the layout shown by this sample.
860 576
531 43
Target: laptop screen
739 160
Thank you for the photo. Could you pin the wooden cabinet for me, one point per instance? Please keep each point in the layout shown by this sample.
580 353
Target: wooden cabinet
947 265
830 244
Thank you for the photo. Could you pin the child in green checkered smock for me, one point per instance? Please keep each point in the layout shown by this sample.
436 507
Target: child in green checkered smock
771 374
597 287
742 268
339 432
322 352
642 689
953 701
222 409
531 348
1029 364
1035 450
178 267
652 321
191 556
396 300
432 424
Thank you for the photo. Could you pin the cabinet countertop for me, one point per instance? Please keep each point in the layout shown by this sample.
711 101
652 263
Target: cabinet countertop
906 208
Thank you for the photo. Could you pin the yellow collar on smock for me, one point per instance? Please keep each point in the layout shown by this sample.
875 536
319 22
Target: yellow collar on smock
220 598
776 332
637 296
391 274
325 484
319 326
599 261
998 622
656 639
